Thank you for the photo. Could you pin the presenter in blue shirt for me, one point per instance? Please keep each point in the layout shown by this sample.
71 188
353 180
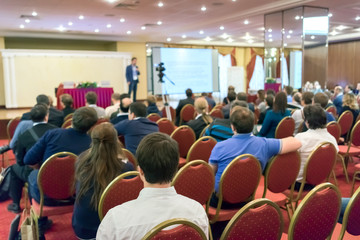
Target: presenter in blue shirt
132 77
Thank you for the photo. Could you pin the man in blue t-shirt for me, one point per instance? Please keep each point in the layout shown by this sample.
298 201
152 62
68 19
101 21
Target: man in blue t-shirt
243 142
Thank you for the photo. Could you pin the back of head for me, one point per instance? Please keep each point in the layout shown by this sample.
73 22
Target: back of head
242 119
42 98
239 103
39 112
349 100
261 94
307 98
321 99
269 100
231 88
67 100
280 102
84 118
201 105
138 108
91 97
338 89
288 90
297 97
125 102
188 92
315 116
242 96
158 157
204 94
151 99
115 96
231 96
106 135
270 92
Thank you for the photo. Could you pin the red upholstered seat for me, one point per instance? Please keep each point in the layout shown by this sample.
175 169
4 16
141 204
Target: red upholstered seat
154 117
334 129
187 113
67 123
316 216
185 137
238 184
345 121
99 121
332 110
186 230
122 189
201 149
130 157
69 116
56 180
195 180
285 128
217 113
259 219
165 126
172 112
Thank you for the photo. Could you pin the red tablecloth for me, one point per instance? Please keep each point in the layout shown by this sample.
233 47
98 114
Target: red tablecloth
274 86
78 94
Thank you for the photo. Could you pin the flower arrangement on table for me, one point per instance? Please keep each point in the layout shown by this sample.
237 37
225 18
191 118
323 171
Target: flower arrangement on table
86 85
270 80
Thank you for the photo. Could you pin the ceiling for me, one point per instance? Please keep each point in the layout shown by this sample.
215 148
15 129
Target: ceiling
181 20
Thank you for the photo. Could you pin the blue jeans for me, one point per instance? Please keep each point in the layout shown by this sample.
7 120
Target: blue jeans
344 203
133 88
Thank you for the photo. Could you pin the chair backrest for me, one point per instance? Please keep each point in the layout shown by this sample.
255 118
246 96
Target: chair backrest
203 131
154 117
121 189
334 129
201 149
276 179
285 128
316 216
355 135
67 123
351 219
11 126
99 121
166 126
332 110
259 219
130 157
172 112
187 113
216 113
186 230
56 177
69 116
195 180
185 137
345 120
218 106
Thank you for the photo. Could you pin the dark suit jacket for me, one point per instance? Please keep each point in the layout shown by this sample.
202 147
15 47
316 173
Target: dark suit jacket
67 110
26 140
182 103
129 74
197 125
119 118
56 117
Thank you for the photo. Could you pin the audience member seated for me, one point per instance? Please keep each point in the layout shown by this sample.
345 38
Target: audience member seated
322 99
220 129
243 142
269 105
202 119
349 88
20 129
136 127
241 96
19 172
330 96
350 104
151 105
123 112
182 103
315 120
338 91
260 97
105 154
115 100
262 105
67 103
91 99
298 115
230 89
158 158
226 109
274 116
288 90
209 100
56 117
296 101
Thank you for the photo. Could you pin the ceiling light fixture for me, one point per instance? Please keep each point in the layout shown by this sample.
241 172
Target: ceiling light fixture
246 22
111 1
96 30
34 14
224 36
61 28
143 28
230 40
203 8
27 20
285 44
159 22
108 25
148 50
333 33
128 32
22 26
70 23
250 41
208 39
312 37
269 30
201 32
270 36
297 17
341 27
330 15
122 19
288 36
357 18
168 39
290 31
160 4
81 17
270 40
183 36
221 28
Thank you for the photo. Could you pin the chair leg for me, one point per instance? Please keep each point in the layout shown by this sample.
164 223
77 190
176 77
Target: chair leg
344 168
353 182
334 175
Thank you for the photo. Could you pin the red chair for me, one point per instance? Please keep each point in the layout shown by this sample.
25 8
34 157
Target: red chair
121 189
11 126
99 121
56 180
332 110
217 113
345 121
166 126
218 106
285 128
185 137
172 112
67 123
186 230
355 177
154 117
238 184
69 116
259 219
196 181
201 149
130 157
316 216
187 113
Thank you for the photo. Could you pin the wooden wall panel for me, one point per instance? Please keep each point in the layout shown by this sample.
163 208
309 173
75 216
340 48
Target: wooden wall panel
315 64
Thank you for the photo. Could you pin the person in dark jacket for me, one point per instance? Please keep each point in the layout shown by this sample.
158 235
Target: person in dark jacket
202 119
182 103
67 103
151 105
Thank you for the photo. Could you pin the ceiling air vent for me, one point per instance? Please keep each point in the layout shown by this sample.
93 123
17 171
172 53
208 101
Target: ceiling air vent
129 5
217 4
31 17
150 25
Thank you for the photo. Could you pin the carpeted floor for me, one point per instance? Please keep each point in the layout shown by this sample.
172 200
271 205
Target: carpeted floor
62 229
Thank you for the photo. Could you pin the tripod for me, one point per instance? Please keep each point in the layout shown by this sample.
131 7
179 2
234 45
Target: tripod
165 100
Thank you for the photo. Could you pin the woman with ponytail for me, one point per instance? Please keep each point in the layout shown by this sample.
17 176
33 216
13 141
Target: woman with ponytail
202 119
94 170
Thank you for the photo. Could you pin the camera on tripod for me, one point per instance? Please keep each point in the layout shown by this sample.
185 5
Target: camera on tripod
160 68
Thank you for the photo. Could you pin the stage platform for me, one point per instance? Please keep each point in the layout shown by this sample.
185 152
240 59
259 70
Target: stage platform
6 115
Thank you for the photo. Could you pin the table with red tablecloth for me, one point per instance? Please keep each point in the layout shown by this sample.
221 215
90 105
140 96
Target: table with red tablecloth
78 94
274 86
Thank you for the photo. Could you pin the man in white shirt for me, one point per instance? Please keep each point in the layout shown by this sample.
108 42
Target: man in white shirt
298 115
158 158
115 99
315 120
91 99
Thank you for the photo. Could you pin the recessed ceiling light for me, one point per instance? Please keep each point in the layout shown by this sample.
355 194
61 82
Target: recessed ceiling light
221 28
208 39
143 28
81 17
341 27
312 37
250 41
108 25
159 22
269 30
246 22
201 32
22 26
148 50
183 36
203 8
224 36
96 30
229 40
128 32
168 39
357 18
288 36
234 0
70 23
297 17
290 31
285 44
122 19
111 1
270 40
333 33
270 36
330 15
27 20
34 13
160 4
61 28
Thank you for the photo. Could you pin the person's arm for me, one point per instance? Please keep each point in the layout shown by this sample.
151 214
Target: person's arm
20 152
121 127
266 125
214 167
289 144
128 74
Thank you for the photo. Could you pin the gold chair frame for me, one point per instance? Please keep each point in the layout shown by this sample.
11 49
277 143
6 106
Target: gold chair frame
127 152
340 117
66 122
153 114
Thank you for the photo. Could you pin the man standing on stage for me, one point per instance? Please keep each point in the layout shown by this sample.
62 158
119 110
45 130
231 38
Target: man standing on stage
132 73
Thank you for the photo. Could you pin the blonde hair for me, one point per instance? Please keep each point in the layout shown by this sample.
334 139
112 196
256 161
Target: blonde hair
151 99
201 107
350 101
